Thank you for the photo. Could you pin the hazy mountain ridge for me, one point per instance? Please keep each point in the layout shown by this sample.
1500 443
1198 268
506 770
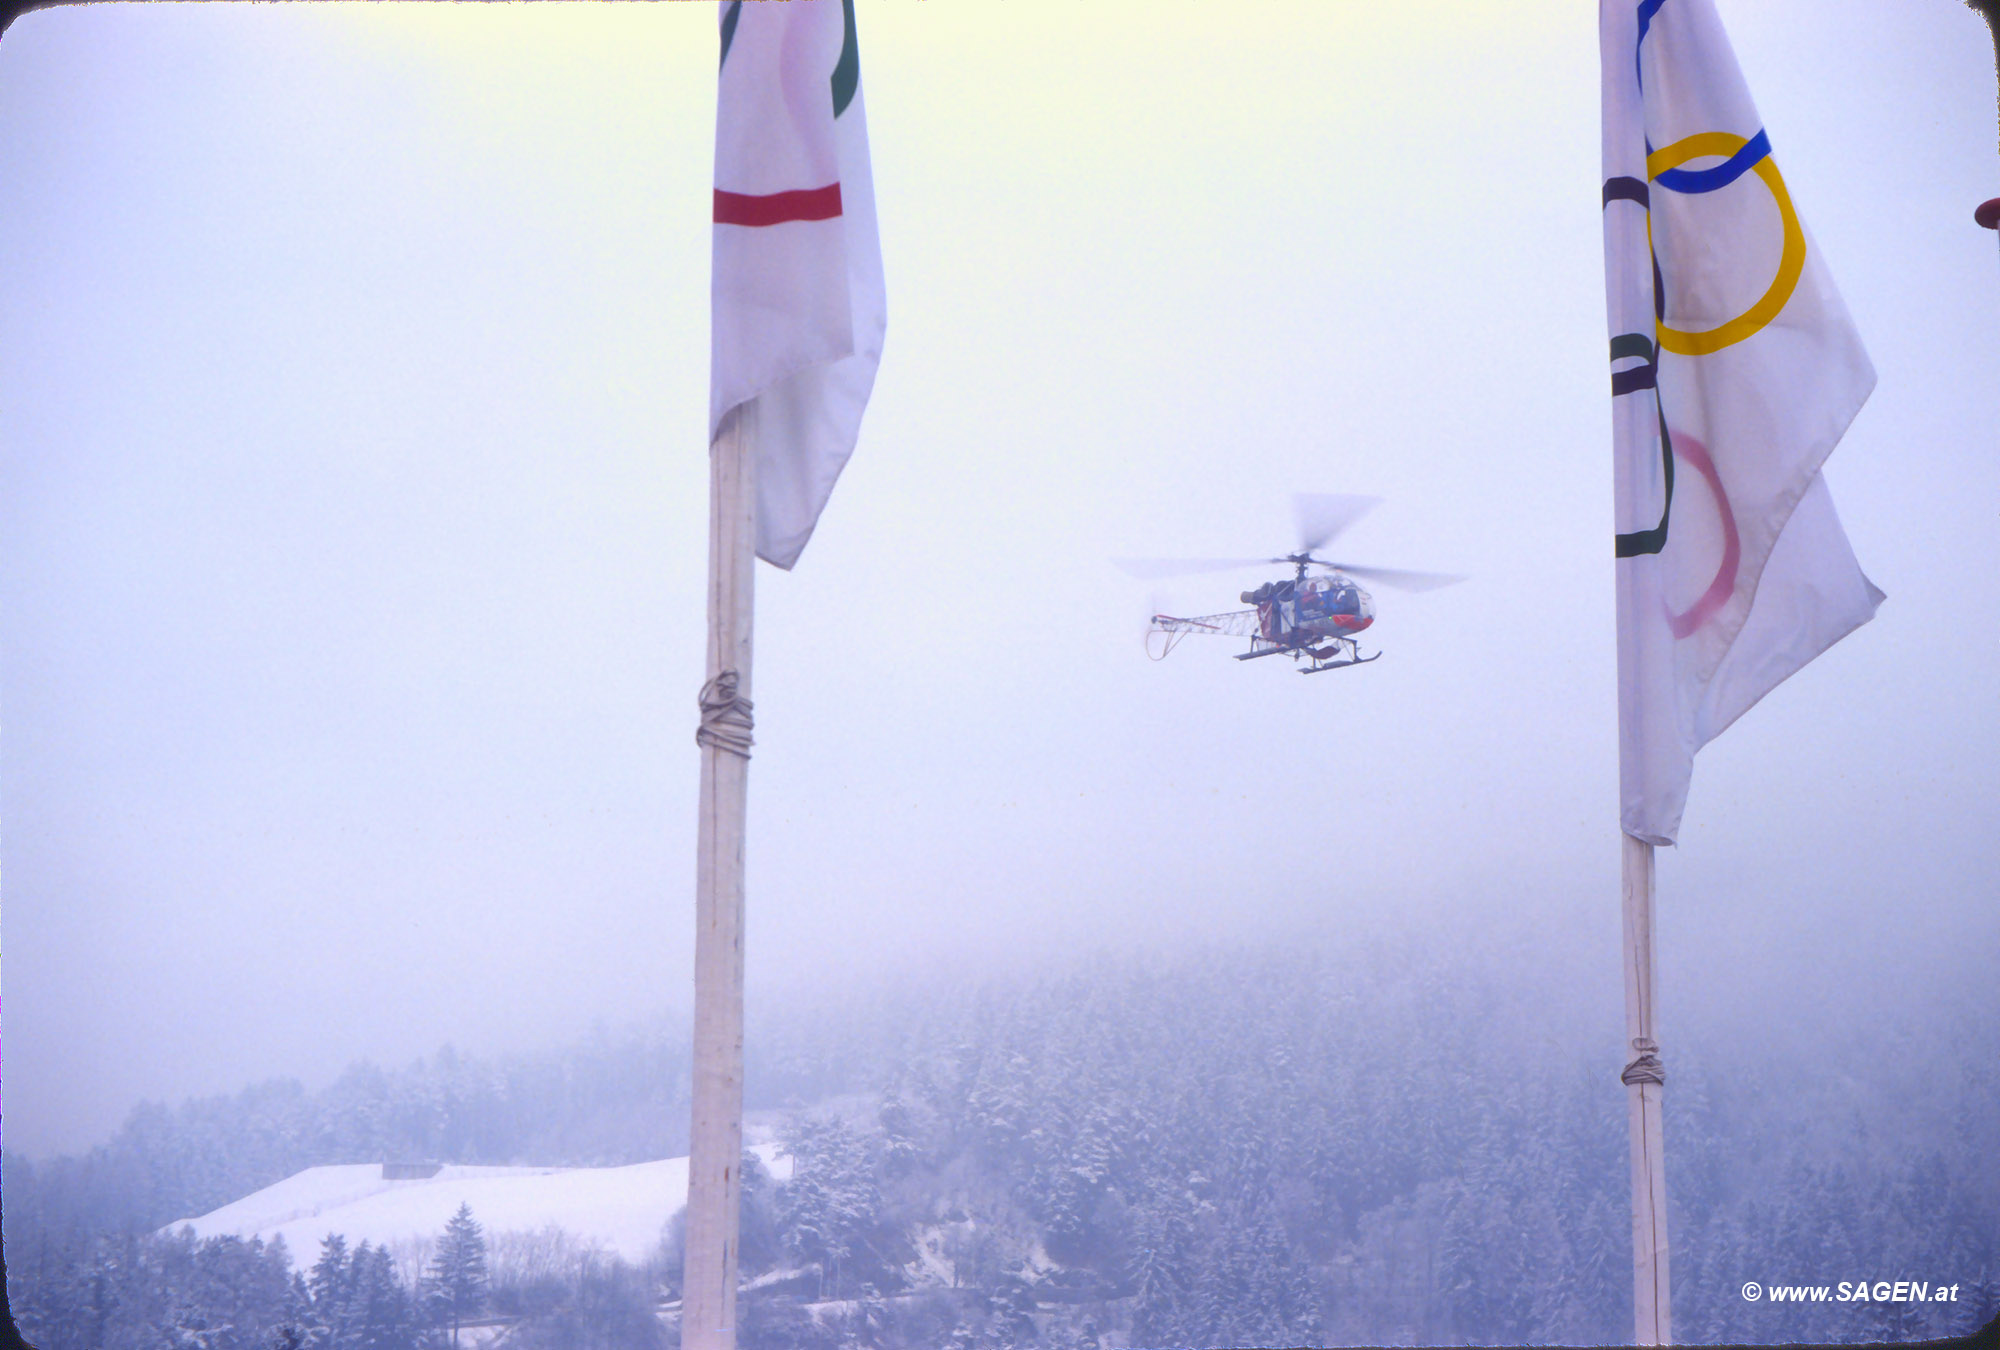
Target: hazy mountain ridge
1388 1145
607 1101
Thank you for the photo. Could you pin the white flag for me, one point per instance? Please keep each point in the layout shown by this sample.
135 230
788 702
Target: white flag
798 312
1735 371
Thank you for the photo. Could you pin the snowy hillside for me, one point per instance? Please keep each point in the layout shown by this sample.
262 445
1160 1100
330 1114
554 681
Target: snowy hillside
622 1208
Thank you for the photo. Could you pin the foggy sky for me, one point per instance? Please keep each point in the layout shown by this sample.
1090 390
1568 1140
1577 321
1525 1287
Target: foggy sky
353 375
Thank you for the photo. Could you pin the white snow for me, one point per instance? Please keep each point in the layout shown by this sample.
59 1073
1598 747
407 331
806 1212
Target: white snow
933 1268
623 1209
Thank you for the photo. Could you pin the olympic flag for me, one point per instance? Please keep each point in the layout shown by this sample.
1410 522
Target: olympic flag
797 306
1735 371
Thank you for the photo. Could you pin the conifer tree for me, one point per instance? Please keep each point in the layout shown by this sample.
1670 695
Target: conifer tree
1156 1278
458 1271
327 1287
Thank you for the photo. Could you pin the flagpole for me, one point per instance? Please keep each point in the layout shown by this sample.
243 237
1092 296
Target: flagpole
1646 1081
715 1142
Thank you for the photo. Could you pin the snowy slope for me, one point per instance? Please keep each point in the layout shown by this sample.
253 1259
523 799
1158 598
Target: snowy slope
622 1208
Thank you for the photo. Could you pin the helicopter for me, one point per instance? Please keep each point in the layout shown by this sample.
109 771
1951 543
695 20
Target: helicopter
1311 618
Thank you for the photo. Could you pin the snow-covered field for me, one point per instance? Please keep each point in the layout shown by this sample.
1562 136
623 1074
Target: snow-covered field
622 1209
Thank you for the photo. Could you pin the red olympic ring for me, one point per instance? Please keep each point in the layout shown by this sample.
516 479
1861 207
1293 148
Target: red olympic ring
1724 585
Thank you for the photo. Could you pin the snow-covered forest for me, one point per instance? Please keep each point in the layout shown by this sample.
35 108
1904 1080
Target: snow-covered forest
1384 1143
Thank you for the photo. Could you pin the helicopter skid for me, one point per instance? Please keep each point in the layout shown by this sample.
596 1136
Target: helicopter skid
1355 660
1337 654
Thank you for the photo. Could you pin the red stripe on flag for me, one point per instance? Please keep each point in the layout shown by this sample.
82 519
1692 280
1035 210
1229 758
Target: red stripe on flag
741 208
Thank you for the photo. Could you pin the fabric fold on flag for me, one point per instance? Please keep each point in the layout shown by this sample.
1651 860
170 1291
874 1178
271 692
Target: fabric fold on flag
798 311
1735 370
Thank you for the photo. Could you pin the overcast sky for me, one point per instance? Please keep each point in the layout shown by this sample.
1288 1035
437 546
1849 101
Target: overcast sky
353 368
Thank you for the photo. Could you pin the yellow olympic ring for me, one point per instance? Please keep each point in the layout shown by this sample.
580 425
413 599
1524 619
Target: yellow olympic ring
1791 261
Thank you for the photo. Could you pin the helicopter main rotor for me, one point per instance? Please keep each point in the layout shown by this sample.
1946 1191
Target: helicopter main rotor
1321 517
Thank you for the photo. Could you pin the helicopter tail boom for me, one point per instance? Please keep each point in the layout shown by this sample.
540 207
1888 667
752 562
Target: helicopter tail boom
1236 623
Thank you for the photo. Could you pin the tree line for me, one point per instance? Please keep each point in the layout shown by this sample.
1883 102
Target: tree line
1369 1143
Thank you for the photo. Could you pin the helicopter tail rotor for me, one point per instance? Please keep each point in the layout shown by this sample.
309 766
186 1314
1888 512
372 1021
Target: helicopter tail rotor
1159 641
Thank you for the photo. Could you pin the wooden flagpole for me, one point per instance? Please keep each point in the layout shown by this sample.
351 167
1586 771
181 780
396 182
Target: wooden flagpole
1646 1081
715 1143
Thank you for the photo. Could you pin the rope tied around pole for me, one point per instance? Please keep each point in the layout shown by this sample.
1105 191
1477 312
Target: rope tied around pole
725 717
1647 1067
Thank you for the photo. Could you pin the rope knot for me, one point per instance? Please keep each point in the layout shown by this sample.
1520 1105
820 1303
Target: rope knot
1647 1067
725 718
